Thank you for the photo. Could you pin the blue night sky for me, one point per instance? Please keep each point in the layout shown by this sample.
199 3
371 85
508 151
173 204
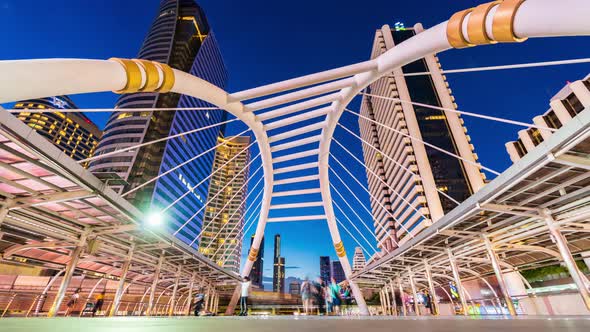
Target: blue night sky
266 41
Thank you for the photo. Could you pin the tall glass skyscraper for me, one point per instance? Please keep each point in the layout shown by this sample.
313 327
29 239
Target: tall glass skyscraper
407 202
180 37
278 277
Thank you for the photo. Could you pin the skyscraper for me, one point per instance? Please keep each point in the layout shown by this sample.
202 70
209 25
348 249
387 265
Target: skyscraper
405 201
71 132
325 269
570 101
256 274
358 260
180 37
337 272
224 215
278 277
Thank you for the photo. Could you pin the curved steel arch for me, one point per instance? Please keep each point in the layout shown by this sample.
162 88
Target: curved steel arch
505 21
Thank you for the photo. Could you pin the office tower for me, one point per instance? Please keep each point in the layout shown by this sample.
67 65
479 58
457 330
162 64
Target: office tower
337 272
358 260
180 37
295 288
73 133
570 101
256 274
224 215
403 201
325 269
278 277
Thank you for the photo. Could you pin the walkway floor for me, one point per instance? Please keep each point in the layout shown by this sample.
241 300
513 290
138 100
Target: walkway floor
289 323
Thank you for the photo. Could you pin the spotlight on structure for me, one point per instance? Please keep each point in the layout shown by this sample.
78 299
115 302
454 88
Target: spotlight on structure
154 218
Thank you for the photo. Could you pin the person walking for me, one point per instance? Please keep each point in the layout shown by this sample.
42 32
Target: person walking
199 304
306 296
318 294
73 300
244 298
346 297
335 299
98 304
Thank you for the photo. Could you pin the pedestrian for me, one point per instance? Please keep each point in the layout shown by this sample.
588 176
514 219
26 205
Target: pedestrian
198 305
306 296
98 303
73 300
428 302
318 293
244 298
334 293
347 296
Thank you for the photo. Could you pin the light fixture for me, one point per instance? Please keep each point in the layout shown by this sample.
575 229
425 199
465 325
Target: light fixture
154 219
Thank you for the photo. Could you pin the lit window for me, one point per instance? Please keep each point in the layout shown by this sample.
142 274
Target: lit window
123 116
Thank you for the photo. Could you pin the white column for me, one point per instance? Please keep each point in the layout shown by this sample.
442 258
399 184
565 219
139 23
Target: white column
499 276
434 302
401 294
65 282
393 301
414 293
121 285
154 286
174 290
568 259
458 282
191 285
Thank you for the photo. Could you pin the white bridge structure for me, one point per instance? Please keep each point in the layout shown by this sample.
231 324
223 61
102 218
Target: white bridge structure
520 212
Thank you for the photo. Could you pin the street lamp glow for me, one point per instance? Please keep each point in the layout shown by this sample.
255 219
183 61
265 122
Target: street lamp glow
154 219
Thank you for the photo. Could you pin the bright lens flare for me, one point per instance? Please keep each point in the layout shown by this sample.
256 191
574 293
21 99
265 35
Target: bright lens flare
154 219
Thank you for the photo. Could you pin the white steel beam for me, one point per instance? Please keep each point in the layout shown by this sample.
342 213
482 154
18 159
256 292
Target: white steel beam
297 179
296 143
296 192
298 118
296 205
296 168
299 106
297 132
294 156
298 218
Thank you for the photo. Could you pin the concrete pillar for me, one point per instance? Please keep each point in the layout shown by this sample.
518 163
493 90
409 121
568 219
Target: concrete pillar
568 259
382 301
191 284
121 285
431 289
499 276
401 295
414 293
154 286
69 272
393 301
458 283
174 291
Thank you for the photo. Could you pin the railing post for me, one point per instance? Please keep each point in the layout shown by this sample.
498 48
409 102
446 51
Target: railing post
499 276
190 295
8 305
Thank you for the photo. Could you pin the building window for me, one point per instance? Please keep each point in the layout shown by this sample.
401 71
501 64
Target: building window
520 148
573 104
552 120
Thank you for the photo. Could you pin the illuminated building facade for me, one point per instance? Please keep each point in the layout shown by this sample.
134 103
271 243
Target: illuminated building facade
572 100
278 275
325 269
180 36
256 274
337 272
73 133
405 201
358 260
224 215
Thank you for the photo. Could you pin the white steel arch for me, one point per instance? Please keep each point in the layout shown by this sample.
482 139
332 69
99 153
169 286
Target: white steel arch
297 100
